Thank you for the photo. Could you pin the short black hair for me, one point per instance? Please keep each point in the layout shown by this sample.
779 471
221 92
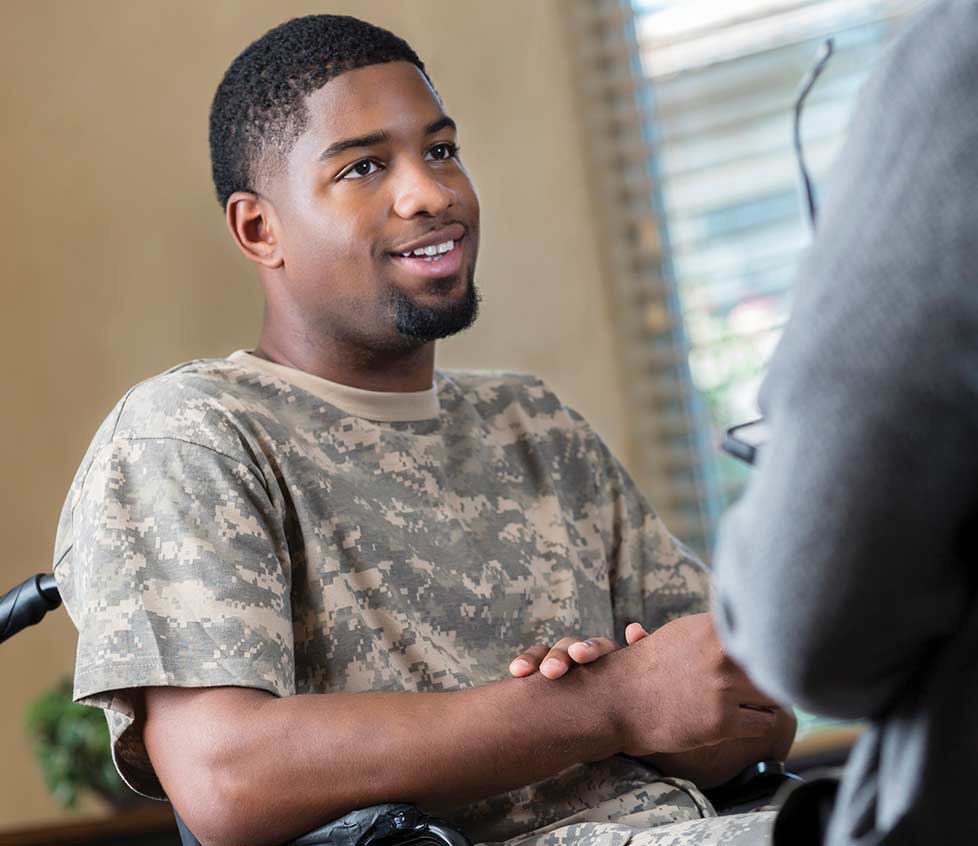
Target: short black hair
259 108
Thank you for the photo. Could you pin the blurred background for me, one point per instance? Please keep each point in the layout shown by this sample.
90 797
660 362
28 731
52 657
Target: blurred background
641 226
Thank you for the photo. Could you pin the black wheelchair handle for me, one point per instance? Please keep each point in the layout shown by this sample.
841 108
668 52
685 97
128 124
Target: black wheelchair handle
390 824
758 781
27 604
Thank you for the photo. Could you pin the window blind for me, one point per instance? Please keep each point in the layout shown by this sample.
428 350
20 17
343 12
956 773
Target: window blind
664 450
687 109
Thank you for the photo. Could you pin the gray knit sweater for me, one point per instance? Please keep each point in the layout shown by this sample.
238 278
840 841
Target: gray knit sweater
845 579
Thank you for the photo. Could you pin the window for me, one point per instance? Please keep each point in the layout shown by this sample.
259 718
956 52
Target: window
724 78
689 106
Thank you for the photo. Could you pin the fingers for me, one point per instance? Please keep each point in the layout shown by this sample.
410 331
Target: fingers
586 651
556 661
743 692
759 702
527 663
552 663
753 722
746 693
634 632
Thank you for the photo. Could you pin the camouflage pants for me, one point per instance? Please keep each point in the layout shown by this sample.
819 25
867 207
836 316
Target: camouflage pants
735 830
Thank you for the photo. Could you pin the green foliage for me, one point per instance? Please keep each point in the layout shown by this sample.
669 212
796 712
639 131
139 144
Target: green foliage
73 747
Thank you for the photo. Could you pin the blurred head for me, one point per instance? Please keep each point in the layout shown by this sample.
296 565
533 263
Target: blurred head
338 170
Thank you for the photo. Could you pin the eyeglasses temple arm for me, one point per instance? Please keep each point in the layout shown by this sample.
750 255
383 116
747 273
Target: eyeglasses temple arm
824 54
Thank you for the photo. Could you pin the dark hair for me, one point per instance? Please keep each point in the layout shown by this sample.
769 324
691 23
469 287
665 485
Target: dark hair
259 108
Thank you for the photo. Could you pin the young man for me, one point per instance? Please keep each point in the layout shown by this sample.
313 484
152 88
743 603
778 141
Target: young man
327 514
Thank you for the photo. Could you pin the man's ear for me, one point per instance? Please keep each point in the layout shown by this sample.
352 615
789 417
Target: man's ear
254 227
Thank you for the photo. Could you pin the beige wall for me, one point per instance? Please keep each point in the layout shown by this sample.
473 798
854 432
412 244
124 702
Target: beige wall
116 264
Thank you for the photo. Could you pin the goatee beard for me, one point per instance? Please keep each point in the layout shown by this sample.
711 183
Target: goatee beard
429 323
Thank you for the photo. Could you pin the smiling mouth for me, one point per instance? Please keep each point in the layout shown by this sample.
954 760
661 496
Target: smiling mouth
436 252
433 261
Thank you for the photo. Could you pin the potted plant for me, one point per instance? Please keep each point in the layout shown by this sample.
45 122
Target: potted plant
73 748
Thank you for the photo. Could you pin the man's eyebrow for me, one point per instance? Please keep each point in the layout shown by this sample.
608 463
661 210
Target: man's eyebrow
437 126
338 147
374 138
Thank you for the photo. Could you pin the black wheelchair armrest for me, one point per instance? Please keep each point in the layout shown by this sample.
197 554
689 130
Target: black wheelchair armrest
750 787
391 824
399 824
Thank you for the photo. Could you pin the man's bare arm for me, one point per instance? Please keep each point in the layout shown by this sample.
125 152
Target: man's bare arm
242 766
706 766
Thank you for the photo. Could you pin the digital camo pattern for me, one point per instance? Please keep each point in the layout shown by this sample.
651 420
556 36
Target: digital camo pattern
642 829
228 527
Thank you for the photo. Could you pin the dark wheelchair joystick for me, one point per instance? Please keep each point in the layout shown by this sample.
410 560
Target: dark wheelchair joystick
27 604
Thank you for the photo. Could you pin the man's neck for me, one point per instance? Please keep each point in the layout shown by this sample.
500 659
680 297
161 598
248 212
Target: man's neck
393 371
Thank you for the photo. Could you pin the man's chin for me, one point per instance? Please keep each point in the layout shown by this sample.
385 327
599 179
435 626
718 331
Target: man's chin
437 313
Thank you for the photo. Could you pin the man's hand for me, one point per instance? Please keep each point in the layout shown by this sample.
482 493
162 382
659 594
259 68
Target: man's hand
711 766
559 658
222 754
676 691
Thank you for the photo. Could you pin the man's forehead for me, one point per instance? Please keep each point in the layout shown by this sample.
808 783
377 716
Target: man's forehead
370 99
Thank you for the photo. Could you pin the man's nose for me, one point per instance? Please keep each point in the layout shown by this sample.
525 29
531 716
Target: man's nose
418 191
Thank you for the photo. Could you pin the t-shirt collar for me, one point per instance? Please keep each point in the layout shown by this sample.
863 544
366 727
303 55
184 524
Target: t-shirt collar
382 406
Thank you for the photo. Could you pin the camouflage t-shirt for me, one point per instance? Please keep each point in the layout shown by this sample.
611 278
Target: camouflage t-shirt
237 522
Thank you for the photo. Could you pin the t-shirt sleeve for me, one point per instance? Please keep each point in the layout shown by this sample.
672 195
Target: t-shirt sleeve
177 575
653 577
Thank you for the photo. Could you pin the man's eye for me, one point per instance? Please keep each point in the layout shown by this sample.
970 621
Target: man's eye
442 152
363 168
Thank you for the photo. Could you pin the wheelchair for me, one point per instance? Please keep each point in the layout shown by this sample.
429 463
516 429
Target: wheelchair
390 824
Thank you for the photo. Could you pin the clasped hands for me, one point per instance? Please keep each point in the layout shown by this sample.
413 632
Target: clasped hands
681 702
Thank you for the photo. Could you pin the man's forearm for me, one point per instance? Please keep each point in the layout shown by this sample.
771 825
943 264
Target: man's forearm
269 769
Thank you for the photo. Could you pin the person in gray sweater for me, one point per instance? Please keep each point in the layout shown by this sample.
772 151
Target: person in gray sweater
845 579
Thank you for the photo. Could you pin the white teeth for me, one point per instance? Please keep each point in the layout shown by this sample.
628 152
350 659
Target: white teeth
434 250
